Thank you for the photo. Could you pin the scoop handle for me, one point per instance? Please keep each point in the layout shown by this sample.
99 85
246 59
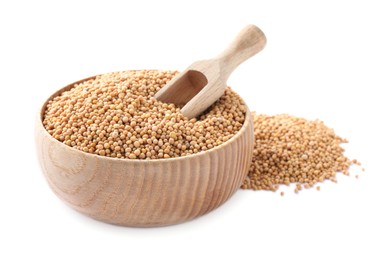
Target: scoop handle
248 42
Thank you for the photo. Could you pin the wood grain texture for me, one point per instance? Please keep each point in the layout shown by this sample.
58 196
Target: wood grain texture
203 82
144 193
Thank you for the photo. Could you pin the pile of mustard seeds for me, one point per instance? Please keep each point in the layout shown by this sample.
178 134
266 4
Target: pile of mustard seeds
116 115
289 149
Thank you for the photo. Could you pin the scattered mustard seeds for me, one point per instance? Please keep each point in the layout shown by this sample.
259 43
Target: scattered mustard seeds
289 149
116 115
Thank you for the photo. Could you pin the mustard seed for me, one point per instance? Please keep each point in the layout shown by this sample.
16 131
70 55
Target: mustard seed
289 149
116 115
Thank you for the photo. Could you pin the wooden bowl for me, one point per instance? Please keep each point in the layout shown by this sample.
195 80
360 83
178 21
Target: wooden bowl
144 193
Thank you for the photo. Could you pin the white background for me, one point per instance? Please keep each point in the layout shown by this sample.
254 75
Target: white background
321 61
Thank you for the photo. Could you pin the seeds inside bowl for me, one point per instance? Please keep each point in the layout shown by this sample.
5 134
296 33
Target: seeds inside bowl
290 149
116 115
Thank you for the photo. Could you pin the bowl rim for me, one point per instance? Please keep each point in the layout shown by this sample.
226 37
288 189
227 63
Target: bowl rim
40 116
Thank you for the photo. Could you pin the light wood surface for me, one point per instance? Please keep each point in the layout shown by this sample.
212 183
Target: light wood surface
203 82
143 193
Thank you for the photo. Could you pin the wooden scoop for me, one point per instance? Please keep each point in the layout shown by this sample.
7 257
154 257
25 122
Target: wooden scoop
202 83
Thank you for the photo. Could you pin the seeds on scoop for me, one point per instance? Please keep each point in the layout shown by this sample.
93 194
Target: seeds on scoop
289 150
116 115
